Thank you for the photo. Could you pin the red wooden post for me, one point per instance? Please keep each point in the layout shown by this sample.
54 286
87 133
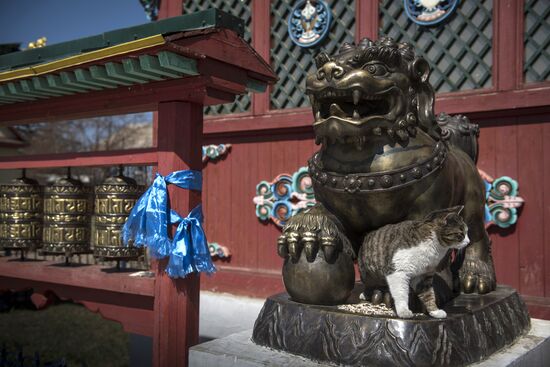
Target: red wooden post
367 19
261 41
176 310
508 44
170 8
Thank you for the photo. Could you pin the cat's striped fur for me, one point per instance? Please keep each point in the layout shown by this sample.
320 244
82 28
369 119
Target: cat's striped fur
408 253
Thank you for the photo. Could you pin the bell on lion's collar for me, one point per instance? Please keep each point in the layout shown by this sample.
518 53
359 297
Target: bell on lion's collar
114 200
67 209
21 215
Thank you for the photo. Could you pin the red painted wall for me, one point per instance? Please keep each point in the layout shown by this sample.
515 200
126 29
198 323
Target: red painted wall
519 147
516 146
230 186
515 130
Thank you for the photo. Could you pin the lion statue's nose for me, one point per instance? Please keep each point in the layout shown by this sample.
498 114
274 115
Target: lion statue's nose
330 70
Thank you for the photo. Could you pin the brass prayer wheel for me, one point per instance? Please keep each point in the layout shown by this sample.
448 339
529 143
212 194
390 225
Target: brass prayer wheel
21 214
114 200
67 209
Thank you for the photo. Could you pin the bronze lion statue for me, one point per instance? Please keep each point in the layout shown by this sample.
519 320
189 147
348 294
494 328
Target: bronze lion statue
384 158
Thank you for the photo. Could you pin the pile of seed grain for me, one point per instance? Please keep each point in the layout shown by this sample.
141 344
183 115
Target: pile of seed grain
367 308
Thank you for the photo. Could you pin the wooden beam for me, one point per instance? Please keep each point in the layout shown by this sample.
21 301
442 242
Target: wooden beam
479 101
96 76
226 46
92 277
152 65
133 68
176 310
261 41
221 70
77 80
177 63
55 82
131 99
299 118
453 103
133 157
508 44
28 87
116 70
367 19
99 74
15 92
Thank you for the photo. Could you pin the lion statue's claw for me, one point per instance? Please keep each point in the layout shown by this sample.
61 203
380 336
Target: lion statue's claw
477 276
309 232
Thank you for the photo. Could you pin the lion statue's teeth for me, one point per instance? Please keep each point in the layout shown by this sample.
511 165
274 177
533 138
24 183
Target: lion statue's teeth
335 110
356 96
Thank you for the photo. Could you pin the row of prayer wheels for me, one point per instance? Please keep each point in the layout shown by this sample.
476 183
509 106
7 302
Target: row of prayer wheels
57 219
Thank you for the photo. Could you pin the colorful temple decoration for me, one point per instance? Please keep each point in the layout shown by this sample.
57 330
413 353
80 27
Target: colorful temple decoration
218 250
151 8
283 197
309 22
502 200
214 152
429 12
287 195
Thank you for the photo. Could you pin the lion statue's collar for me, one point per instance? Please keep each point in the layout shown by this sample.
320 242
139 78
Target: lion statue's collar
378 181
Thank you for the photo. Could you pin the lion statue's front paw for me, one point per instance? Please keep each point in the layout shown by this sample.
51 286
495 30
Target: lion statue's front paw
318 266
477 276
311 231
293 243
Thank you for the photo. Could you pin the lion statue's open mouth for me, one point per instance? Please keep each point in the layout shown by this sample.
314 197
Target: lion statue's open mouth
352 105
339 114
371 89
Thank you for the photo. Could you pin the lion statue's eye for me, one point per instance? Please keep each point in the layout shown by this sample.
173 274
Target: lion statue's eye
376 69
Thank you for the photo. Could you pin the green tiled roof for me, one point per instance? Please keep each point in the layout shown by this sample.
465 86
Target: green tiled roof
211 18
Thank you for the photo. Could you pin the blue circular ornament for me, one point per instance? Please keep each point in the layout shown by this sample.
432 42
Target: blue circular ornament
429 12
309 22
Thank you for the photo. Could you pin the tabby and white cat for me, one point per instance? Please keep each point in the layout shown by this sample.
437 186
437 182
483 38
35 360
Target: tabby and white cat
408 253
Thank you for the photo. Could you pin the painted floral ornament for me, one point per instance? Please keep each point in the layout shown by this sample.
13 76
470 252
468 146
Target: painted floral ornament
502 200
214 152
284 197
429 12
309 22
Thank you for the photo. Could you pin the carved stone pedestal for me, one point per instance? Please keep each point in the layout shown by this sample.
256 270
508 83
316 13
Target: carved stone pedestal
475 328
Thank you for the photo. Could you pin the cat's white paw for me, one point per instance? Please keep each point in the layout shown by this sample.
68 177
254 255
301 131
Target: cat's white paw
438 314
362 297
404 313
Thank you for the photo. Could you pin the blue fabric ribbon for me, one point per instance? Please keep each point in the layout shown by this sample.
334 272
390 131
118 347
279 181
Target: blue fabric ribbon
147 225
190 252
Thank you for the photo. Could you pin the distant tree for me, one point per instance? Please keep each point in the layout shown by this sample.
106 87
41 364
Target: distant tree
85 135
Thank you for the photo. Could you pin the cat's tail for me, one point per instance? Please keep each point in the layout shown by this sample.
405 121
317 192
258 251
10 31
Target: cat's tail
460 132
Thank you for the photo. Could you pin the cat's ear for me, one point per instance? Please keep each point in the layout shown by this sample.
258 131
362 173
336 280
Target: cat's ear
444 213
457 209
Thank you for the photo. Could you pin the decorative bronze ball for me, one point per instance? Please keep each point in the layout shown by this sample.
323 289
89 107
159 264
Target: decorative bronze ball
319 282
416 172
386 181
